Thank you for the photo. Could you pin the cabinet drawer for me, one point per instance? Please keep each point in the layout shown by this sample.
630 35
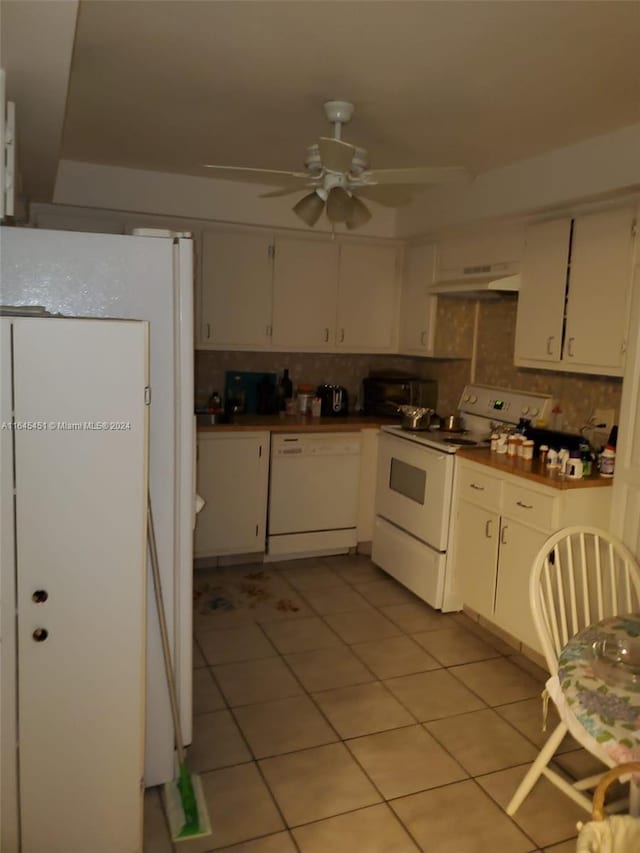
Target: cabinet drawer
480 488
529 506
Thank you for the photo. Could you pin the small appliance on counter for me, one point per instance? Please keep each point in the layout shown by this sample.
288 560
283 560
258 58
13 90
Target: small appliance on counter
248 393
386 391
334 400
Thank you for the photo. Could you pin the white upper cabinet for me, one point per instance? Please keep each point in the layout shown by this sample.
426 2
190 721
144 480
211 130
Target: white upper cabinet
542 292
305 290
418 309
368 290
575 293
429 325
599 290
235 294
310 294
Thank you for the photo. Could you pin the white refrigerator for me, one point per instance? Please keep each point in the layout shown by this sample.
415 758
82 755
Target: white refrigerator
143 278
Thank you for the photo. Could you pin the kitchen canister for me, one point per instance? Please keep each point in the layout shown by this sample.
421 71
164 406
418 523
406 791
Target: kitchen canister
574 465
552 460
608 461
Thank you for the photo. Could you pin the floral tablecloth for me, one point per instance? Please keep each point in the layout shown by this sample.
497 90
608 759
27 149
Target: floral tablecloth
609 713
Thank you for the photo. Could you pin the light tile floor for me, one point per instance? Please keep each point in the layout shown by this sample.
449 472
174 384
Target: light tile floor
363 722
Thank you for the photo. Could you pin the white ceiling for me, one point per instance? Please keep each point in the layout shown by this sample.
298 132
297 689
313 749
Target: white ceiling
169 85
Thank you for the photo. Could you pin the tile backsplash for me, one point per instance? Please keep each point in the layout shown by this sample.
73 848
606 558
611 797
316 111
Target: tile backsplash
577 394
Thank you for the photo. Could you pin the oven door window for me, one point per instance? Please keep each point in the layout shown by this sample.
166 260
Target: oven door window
407 480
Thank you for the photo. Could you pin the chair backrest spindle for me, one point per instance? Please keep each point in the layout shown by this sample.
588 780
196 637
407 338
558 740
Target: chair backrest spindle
569 566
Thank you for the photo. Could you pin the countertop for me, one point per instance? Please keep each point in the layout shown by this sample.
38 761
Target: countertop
299 423
530 470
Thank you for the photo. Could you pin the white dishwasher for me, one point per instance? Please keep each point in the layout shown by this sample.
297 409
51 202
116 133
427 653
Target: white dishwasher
313 494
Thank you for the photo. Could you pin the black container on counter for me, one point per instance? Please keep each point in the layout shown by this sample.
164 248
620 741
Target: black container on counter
554 439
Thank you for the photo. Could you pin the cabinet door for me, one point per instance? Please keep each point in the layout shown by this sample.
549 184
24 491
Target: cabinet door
418 309
540 316
232 474
81 499
599 288
518 546
235 297
305 288
367 298
476 556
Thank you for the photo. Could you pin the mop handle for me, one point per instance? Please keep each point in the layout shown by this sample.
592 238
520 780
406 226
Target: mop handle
166 652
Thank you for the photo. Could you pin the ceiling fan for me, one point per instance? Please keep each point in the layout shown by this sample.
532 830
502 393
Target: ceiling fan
339 177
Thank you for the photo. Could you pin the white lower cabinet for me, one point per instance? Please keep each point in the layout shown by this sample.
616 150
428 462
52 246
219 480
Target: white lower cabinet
232 476
500 522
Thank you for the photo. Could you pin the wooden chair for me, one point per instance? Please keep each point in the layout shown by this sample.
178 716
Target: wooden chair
580 576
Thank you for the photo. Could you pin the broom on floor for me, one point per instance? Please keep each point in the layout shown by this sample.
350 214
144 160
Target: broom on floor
183 797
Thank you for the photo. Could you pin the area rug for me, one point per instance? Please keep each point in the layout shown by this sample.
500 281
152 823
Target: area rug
240 588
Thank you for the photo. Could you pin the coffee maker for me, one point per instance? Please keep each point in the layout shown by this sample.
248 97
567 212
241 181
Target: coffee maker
334 400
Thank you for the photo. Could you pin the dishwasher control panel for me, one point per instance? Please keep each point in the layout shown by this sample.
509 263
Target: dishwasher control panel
316 445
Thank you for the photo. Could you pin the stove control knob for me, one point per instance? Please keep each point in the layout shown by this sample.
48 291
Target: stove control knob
524 411
466 398
473 398
535 412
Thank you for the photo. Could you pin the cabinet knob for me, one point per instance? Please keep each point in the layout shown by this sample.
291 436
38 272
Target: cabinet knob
423 338
341 336
549 350
487 529
40 635
326 335
570 347
40 596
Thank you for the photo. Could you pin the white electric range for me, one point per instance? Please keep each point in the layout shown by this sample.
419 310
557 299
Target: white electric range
414 490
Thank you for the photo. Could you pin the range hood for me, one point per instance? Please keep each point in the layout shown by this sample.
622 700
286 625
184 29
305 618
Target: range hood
478 286
478 281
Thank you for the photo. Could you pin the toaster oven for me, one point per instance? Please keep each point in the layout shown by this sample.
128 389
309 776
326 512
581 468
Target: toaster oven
383 396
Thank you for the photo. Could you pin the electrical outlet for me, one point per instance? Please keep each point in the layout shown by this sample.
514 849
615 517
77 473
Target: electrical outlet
603 419
599 425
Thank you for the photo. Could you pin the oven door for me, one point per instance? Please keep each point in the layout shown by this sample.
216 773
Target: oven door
414 488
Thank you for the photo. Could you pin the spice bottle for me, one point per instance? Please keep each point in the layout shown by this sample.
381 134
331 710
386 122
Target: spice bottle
544 449
608 461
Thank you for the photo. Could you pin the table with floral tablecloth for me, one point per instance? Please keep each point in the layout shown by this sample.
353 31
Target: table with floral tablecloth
608 713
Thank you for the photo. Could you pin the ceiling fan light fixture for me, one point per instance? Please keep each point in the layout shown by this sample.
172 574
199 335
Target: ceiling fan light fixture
310 207
359 215
339 205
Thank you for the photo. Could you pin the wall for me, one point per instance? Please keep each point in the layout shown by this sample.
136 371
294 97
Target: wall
140 191
578 394
601 167
312 368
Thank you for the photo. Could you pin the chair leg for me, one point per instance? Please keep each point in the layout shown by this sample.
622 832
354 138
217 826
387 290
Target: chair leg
535 771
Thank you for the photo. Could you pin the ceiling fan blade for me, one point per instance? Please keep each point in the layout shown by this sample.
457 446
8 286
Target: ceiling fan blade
418 175
388 195
336 155
257 176
339 205
283 191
